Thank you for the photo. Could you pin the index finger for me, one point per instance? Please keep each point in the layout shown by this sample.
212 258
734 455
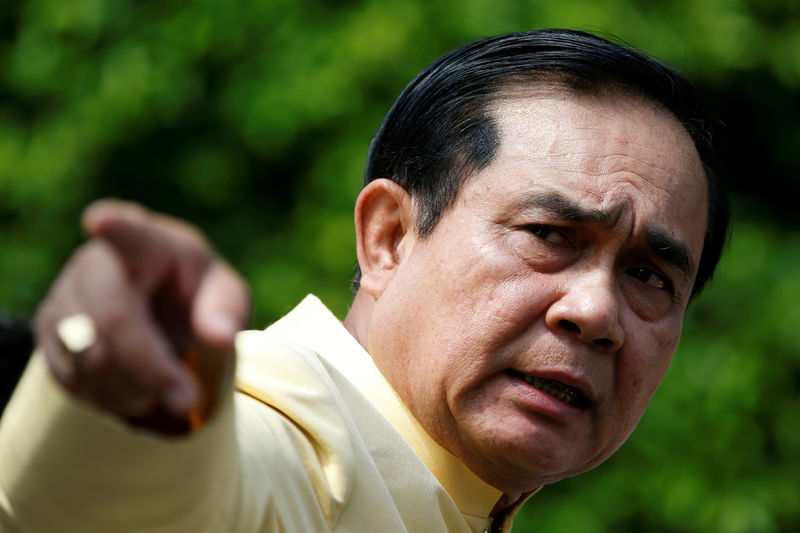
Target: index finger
152 246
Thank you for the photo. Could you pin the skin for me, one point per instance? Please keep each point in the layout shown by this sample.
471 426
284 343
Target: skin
547 264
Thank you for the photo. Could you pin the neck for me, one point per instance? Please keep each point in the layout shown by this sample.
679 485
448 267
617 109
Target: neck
506 502
358 317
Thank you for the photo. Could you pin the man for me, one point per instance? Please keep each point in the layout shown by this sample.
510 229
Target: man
536 219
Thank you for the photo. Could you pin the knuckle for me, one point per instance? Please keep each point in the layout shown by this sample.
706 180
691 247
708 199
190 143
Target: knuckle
114 391
138 403
87 256
95 364
43 319
114 319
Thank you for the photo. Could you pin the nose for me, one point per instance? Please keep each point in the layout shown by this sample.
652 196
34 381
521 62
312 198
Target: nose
589 309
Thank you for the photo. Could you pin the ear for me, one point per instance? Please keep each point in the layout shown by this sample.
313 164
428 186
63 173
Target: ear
384 232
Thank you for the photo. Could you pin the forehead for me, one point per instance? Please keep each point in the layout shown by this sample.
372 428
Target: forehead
617 154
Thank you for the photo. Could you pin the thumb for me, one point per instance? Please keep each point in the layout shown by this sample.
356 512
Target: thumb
221 306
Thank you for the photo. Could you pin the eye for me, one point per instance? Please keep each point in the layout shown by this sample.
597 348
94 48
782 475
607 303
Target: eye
547 233
651 278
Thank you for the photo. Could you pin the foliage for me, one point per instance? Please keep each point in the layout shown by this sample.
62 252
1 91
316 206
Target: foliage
252 119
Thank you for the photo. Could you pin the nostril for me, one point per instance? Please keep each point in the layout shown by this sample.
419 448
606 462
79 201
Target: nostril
569 325
604 342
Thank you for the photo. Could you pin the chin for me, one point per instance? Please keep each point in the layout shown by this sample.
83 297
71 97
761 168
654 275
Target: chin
516 465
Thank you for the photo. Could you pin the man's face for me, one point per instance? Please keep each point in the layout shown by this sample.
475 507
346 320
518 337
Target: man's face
529 331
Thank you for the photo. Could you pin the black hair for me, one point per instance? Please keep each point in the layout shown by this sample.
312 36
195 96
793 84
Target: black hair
439 131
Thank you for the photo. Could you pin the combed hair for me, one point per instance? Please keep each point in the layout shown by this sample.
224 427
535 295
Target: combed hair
440 131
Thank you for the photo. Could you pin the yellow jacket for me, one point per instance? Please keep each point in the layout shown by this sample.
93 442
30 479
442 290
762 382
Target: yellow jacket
314 439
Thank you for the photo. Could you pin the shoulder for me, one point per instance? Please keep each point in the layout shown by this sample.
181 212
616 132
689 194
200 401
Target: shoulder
293 425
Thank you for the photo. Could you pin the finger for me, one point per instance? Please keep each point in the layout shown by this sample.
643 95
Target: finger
221 306
132 366
157 246
136 354
110 388
62 301
152 246
58 360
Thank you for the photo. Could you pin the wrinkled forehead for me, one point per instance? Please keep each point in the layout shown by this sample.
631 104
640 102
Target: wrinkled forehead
611 152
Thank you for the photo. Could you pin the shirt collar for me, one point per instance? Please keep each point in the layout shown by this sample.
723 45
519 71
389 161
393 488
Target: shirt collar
312 325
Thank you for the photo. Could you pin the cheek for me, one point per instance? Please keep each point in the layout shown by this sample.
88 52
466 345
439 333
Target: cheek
647 303
638 377
642 372
483 291
466 309
493 320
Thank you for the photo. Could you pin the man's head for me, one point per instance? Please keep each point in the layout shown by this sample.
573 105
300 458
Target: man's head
438 132
528 261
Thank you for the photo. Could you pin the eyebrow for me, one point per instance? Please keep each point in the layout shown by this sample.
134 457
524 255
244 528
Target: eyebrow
566 209
671 251
663 246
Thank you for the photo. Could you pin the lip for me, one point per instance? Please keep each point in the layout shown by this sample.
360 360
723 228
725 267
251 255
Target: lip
567 378
548 404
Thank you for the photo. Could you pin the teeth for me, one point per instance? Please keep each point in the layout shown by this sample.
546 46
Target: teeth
565 393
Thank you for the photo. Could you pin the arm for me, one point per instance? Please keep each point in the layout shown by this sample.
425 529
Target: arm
152 288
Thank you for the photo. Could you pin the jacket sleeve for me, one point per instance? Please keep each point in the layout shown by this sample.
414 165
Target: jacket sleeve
276 456
66 467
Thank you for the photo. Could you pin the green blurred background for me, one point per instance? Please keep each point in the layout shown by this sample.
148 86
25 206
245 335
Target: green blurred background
252 119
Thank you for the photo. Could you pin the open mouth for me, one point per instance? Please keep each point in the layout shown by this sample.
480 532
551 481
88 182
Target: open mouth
554 388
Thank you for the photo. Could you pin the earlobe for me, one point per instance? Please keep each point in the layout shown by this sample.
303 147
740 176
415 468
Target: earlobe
384 230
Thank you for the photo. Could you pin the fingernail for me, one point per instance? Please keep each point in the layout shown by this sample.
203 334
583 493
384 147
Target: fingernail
223 326
180 399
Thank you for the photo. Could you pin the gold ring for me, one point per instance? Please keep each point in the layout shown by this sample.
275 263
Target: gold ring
77 334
